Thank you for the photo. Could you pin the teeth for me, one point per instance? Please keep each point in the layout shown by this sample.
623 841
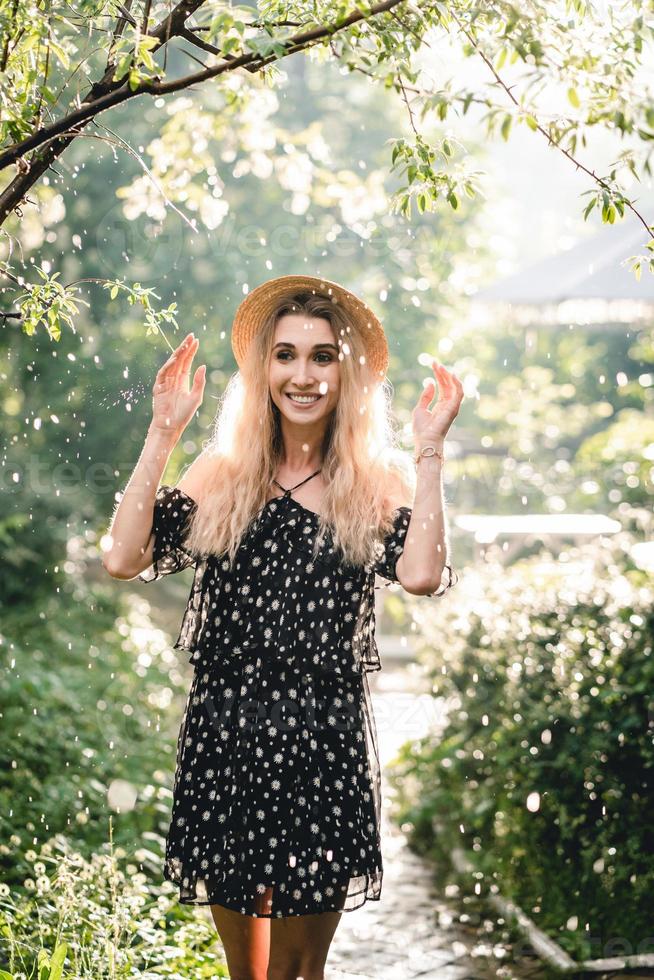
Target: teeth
304 399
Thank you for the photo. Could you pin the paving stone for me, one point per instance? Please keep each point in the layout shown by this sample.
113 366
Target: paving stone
411 932
339 975
445 973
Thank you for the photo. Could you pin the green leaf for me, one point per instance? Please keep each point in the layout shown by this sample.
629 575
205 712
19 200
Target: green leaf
148 42
122 67
114 291
57 961
573 98
230 44
589 208
506 127
147 60
61 53
531 122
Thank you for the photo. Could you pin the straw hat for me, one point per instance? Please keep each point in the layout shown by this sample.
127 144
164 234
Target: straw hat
258 304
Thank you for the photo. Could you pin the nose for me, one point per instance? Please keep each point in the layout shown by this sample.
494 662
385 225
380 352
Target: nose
302 376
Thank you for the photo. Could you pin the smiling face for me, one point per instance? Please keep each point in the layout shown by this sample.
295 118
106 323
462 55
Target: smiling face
304 360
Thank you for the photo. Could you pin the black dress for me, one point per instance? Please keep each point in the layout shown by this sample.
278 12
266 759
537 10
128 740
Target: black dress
277 792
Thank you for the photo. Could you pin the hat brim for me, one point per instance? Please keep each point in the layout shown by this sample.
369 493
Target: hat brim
260 303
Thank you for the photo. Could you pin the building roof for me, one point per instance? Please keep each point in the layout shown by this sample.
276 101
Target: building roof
590 270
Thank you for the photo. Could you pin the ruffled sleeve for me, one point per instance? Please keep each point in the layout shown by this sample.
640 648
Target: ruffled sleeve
172 512
393 546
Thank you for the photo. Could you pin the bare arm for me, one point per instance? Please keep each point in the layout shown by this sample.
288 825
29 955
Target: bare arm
420 566
129 540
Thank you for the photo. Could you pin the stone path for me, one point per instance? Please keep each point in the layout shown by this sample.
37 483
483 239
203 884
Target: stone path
412 931
415 931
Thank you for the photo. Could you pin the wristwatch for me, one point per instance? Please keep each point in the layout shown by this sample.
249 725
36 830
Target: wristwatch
429 451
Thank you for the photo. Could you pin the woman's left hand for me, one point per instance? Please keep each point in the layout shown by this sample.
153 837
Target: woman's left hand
431 426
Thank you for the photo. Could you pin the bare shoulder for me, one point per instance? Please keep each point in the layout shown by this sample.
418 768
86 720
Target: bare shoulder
198 475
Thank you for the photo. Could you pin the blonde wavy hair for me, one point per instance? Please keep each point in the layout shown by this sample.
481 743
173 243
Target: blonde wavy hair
367 475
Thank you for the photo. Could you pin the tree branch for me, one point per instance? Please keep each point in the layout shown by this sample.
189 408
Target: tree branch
198 42
146 17
541 129
92 107
5 50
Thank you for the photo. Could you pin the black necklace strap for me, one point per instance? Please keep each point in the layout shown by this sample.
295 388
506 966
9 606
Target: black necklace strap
289 492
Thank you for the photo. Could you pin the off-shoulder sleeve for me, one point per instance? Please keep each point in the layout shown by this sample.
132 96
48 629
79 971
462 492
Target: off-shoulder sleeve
393 546
172 511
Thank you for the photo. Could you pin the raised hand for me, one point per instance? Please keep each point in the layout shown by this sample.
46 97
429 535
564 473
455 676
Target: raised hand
431 426
173 405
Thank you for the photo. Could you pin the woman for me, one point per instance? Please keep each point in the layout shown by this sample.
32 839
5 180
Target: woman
299 498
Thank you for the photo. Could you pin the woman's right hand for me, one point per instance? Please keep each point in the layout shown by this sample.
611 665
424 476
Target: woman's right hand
173 405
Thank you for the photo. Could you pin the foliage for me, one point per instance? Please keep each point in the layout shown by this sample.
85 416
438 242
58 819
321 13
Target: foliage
87 681
542 769
76 411
565 422
562 69
98 917
51 303
91 701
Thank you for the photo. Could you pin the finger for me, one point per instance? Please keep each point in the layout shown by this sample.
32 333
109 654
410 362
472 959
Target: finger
187 350
428 393
179 350
199 379
445 379
200 375
169 366
183 364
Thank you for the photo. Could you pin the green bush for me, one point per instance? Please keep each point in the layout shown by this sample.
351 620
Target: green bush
91 695
544 769
99 918
92 698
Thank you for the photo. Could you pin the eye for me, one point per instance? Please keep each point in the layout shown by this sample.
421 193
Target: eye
281 354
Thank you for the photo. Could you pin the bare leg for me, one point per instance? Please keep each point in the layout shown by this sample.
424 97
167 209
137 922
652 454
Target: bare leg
299 944
246 941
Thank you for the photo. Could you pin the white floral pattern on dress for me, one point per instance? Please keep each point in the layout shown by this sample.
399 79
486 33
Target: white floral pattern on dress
277 792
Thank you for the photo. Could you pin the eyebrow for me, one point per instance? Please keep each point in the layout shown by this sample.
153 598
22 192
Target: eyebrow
286 343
